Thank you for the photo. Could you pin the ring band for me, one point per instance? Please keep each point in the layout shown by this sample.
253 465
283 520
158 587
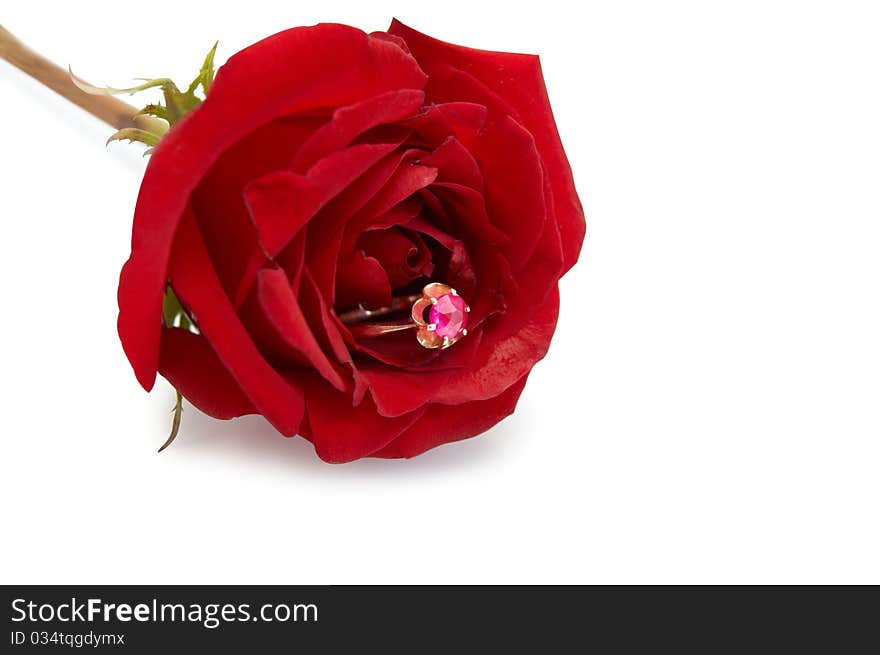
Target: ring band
446 324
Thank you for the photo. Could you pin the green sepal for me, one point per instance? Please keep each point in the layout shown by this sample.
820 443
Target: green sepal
177 103
174 315
206 74
133 134
175 422
91 89
157 111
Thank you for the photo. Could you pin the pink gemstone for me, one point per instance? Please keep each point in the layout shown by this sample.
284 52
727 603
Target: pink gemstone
449 314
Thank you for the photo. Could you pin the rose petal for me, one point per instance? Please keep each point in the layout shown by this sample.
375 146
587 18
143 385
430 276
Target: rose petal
441 424
457 268
326 324
397 391
404 257
397 349
396 40
534 283
219 206
456 164
361 280
398 215
196 284
439 121
342 433
348 122
469 214
293 258
282 311
407 179
514 189
281 203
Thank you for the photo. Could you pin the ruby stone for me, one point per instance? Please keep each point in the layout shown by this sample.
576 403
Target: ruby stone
449 315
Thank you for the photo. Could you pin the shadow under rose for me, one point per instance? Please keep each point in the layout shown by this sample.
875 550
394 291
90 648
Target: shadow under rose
252 440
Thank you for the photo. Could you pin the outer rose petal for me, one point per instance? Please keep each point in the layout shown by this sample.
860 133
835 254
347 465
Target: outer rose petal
510 161
189 363
442 424
544 267
198 287
218 204
519 80
342 433
294 71
397 392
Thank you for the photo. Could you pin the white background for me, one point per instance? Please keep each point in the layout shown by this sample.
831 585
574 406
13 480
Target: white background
708 411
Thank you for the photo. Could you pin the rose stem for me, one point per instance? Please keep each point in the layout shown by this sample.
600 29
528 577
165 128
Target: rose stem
111 110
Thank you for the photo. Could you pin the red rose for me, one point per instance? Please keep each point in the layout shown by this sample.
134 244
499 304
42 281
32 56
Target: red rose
327 169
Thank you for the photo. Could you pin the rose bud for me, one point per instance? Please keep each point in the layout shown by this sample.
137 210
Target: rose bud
358 237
